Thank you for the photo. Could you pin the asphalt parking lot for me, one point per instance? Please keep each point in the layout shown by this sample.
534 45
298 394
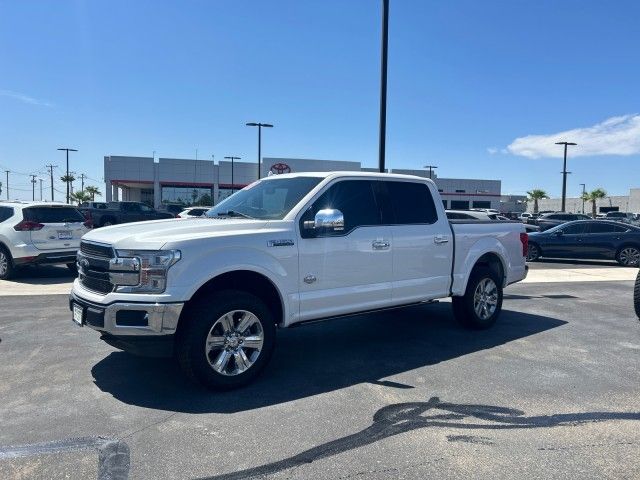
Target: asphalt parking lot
552 391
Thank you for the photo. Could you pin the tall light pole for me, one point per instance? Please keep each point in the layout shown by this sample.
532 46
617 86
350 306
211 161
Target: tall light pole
564 173
68 150
383 86
583 192
7 172
259 125
430 167
233 185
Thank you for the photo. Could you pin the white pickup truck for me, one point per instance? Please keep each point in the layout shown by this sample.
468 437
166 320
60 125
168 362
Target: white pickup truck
287 249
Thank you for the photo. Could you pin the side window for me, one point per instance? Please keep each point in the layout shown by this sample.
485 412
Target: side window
575 229
601 227
354 198
5 213
145 208
411 203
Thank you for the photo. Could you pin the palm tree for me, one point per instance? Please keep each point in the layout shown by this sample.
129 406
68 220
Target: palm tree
68 179
535 195
593 196
80 197
93 191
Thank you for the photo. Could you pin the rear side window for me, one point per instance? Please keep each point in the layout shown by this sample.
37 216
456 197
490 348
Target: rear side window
411 203
598 227
574 229
5 213
52 215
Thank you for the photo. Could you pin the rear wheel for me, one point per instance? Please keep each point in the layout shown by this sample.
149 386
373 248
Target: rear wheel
628 256
533 253
227 340
108 222
6 264
481 304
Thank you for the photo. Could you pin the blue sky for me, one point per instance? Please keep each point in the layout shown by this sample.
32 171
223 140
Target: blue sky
469 84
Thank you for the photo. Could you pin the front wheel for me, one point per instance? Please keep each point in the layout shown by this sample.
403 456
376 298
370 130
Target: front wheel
628 257
481 304
227 340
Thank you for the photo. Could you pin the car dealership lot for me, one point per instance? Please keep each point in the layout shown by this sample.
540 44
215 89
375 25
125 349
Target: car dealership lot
551 391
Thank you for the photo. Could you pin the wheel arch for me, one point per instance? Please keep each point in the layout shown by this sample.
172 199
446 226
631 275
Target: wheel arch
248 281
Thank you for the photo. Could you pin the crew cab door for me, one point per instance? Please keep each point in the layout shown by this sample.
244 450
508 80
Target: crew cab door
348 270
422 242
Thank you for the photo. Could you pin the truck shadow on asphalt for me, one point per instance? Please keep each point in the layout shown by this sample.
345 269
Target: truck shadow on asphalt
319 358
405 417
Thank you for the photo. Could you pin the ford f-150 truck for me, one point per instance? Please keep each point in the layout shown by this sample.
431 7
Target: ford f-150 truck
284 250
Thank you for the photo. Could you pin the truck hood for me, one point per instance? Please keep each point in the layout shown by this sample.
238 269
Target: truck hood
152 235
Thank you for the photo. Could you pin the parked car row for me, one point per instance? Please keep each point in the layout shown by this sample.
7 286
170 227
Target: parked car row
483 216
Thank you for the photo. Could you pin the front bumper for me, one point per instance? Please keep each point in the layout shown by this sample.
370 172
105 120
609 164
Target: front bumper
137 319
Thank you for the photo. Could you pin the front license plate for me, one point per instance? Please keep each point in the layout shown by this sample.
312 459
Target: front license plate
78 312
65 235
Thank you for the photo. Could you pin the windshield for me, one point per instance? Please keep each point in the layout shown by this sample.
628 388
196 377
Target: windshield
269 199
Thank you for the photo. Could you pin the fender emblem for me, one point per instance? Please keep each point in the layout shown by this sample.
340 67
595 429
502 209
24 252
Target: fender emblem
280 243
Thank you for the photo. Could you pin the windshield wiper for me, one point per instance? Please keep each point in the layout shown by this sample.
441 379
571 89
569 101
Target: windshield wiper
234 213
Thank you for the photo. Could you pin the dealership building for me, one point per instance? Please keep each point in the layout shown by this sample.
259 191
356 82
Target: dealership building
613 203
204 182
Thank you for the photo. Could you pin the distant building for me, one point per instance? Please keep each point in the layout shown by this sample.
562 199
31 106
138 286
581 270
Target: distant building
187 181
513 203
614 203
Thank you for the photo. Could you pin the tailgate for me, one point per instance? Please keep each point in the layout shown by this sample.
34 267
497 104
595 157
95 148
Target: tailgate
61 227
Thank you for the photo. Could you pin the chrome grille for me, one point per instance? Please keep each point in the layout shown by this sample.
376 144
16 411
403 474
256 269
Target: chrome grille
95 250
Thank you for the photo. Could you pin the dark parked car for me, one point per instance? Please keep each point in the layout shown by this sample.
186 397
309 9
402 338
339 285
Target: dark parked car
548 220
590 239
625 217
173 208
122 212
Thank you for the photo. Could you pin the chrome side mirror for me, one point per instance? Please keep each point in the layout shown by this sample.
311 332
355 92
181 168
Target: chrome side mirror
328 219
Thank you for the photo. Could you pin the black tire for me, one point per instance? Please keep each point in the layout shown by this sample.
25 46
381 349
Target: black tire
628 256
636 295
463 307
73 268
108 222
203 316
7 269
533 253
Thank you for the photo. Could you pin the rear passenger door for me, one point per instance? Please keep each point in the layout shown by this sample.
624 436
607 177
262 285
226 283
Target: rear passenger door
422 242
603 238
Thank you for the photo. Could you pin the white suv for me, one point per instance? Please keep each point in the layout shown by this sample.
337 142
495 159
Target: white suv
38 233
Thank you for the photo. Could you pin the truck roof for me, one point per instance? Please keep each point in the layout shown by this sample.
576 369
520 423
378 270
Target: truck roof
350 174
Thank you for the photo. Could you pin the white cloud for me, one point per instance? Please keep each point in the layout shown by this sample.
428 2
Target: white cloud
24 98
615 136
493 150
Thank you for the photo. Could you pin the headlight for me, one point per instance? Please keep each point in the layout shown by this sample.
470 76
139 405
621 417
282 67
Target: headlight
154 265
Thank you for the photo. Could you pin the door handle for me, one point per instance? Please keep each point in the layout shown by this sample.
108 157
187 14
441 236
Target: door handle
440 239
380 245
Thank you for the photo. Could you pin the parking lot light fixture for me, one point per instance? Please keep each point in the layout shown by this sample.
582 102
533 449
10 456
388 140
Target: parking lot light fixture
233 185
259 125
431 168
564 174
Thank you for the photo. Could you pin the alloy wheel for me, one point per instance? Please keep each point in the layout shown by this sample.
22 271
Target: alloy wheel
485 298
629 256
532 253
4 263
234 342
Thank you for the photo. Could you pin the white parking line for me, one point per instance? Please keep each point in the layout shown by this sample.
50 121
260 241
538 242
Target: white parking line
608 274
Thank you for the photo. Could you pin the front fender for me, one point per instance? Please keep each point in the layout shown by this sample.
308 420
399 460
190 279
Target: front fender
464 265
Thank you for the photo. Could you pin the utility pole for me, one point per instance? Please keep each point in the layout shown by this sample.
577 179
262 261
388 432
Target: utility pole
383 87
51 167
68 150
40 189
233 185
564 173
82 175
583 192
430 167
33 187
7 172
